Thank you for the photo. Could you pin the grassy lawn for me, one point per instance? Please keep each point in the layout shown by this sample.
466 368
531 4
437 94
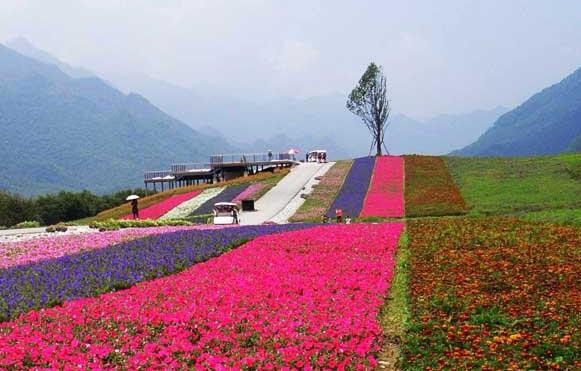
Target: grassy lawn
394 315
493 185
319 201
493 293
430 189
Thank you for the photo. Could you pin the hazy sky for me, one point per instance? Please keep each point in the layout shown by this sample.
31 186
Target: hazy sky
439 56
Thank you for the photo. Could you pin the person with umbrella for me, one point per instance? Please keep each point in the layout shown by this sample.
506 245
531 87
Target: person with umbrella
134 205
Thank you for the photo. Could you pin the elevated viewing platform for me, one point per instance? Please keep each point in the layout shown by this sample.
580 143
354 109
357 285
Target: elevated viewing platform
221 167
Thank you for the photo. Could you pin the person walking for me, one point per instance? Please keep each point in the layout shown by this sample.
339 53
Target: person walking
134 209
339 215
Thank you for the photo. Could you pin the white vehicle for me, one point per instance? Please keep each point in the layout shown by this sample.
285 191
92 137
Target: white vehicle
226 213
318 155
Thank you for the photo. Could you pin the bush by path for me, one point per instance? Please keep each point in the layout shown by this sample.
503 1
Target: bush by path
430 189
319 201
493 293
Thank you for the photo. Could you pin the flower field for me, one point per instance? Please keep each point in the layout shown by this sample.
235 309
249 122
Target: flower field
493 293
159 209
353 191
385 194
187 208
29 251
227 195
324 193
295 300
430 190
251 191
47 282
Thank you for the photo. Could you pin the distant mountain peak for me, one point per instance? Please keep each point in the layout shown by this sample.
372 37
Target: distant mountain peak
23 46
546 123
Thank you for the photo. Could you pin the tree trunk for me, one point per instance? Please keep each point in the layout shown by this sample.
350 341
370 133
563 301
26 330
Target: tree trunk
378 147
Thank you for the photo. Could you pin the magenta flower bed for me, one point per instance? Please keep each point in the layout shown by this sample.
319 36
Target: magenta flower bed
249 192
385 194
303 299
23 252
161 208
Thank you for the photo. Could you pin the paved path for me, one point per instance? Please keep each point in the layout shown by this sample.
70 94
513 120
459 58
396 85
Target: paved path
291 208
275 200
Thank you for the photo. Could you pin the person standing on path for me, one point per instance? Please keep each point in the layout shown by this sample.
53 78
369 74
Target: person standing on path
134 209
339 215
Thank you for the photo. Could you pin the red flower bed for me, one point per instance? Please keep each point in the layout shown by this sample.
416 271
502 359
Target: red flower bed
385 194
299 299
158 210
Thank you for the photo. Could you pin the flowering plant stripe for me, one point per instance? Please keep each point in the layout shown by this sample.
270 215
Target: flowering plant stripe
29 251
352 194
249 192
186 209
319 201
159 209
493 293
385 195
88 273
430 189
304 299
227 195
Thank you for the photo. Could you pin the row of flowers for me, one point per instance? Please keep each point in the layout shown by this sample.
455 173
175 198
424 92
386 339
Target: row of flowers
385 194
430 189
230 193
319 201
352 194
157 210
188 207
303 299
87 273
493 293
250 192
29 251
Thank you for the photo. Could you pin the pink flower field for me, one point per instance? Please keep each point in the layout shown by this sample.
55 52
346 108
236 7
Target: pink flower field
250 191
22 252
303 299
385 194
161 208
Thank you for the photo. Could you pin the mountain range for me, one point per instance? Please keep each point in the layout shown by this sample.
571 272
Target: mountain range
549 122
61 132
253 124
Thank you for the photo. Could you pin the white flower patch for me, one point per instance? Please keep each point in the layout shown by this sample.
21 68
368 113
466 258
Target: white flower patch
185 209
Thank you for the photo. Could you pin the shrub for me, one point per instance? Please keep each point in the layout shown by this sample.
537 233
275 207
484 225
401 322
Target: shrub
27 224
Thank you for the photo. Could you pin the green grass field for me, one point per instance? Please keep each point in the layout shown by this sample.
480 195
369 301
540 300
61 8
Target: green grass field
544 188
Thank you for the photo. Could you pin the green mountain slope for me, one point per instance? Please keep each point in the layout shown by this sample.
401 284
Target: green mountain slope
547 123
65 133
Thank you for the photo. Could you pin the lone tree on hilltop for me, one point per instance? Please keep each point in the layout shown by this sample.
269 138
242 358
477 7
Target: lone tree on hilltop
368 100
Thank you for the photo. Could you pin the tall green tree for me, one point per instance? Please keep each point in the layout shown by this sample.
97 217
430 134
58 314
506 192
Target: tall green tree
369 101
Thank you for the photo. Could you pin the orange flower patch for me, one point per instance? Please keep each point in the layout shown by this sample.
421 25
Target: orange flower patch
493 293
430 189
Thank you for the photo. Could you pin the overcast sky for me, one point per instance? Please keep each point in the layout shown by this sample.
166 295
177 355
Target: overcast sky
439 56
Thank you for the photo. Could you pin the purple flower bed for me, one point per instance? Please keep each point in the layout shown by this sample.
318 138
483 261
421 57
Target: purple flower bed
227 195
88 273
352 194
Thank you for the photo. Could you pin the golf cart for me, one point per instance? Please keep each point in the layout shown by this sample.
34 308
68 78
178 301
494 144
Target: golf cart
226 213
